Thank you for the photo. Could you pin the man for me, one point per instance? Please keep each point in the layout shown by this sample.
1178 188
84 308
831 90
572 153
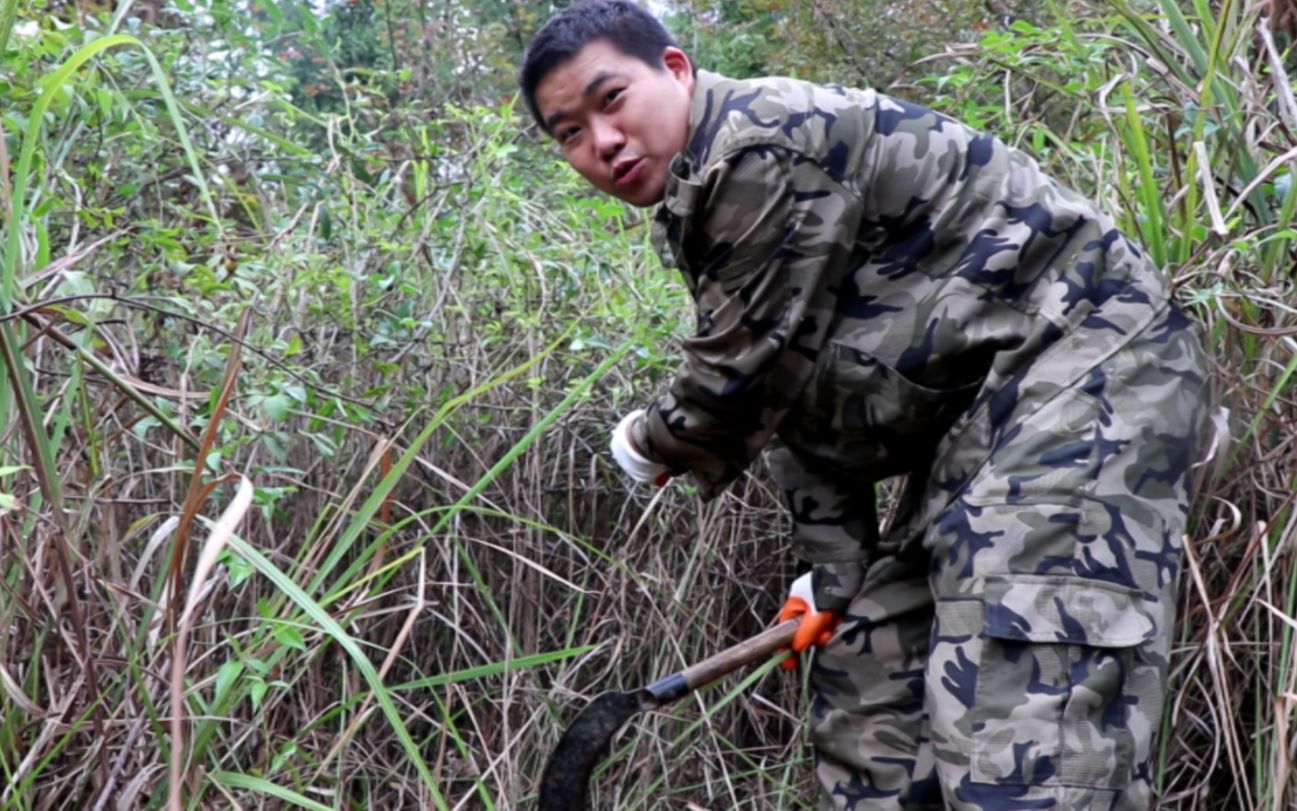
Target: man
883 291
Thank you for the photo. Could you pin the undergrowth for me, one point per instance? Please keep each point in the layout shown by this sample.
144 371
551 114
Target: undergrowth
305 394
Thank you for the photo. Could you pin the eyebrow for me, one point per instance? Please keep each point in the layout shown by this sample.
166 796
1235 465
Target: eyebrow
591 87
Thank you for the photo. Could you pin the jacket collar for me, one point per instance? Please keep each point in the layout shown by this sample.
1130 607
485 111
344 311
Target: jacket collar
701 111
684 179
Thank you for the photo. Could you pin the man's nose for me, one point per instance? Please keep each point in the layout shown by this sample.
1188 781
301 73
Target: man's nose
608 138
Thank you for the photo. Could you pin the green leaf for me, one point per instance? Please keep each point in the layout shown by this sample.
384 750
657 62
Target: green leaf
257 692
236 568
141 427
226 676
287 751
277 407
323 444
288 636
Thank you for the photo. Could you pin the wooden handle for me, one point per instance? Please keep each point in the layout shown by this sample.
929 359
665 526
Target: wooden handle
709 670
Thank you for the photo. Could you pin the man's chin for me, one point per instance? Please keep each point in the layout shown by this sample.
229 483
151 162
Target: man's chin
643 198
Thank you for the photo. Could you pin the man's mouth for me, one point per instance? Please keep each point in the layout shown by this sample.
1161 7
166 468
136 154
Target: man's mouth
625 172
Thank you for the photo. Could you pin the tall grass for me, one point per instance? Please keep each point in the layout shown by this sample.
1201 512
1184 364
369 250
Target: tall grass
424 563
430 549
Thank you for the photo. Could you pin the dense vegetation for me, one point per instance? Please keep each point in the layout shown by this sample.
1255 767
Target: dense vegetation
309 350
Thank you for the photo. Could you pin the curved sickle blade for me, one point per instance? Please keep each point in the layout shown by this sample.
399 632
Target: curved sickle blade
566 780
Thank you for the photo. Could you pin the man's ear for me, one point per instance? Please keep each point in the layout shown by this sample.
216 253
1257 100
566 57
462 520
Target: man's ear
678 64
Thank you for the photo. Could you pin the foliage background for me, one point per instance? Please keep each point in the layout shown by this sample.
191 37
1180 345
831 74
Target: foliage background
304 266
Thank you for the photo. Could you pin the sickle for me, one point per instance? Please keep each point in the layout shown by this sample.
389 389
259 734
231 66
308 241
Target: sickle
566 780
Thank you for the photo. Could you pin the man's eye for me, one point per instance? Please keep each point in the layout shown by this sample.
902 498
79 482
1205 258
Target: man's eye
612 96
566 136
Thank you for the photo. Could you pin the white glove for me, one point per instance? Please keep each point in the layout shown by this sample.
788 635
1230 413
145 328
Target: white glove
631 460
803 589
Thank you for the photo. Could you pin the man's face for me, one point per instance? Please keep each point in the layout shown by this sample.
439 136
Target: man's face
618 121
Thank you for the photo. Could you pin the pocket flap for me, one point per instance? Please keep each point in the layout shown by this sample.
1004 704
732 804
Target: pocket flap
1076 610
682 195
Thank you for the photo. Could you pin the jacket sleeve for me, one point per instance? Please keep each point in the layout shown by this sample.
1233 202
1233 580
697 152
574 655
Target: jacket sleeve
770 236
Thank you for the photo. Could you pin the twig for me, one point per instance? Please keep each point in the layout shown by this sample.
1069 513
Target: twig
128 301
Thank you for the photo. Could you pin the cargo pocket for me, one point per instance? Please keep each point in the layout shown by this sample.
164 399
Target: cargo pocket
878 418
1065 693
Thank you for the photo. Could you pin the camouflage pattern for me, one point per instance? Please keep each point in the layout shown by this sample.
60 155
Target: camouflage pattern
1018 648
884 291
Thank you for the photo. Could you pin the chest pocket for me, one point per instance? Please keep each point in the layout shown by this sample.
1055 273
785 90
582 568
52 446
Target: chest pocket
674 220
878 416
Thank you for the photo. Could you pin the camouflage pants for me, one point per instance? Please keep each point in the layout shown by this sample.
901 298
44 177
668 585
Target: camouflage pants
1014 655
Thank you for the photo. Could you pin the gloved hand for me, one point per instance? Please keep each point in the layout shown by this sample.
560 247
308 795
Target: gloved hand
629 457
816 626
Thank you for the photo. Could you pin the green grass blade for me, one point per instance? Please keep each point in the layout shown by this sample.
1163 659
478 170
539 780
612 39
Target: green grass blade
737 690
576 392
495 668
1185 34
28 150
29 411
330 626
7 15
263 786
1154 237
734 692
369 508
1262 413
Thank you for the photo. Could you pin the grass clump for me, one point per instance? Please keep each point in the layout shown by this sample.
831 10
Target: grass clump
308 372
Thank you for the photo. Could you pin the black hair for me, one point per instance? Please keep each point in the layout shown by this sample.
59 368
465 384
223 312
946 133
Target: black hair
627 27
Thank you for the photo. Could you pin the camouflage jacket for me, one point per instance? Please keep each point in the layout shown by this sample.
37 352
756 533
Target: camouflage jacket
872 280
